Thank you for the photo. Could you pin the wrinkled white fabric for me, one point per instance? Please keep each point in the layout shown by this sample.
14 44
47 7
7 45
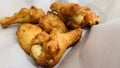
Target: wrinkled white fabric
98 48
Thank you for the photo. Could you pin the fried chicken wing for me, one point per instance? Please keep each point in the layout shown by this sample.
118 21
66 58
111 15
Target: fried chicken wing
75 15
51 22
25 33
30 15
50 51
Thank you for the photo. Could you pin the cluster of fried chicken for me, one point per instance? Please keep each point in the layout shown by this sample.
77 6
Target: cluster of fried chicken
46 37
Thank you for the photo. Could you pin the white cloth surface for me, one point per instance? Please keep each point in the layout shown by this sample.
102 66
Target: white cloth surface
99 47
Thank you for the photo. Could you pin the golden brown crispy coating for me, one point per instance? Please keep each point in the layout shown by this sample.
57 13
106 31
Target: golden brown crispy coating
75 15
30 15
51 22
40 38
25 33
50 52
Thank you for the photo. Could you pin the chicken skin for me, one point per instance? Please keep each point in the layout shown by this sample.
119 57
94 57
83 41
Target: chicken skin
25 33
50 51
75 15
30 15
51 22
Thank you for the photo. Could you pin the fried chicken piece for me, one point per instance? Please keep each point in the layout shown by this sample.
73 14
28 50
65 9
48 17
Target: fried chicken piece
75 15
51 22
25 33
30 15
50 51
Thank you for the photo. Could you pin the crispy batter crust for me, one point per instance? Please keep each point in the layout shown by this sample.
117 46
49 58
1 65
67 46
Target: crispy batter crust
25 33
55 46
30 15
75 15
